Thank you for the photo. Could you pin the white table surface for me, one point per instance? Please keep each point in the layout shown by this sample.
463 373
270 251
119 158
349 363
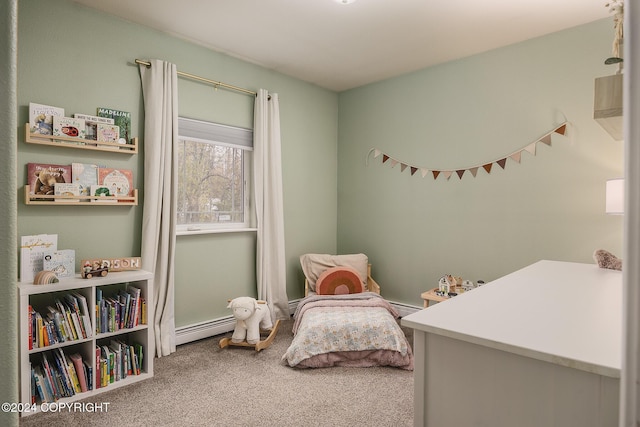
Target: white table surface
560 312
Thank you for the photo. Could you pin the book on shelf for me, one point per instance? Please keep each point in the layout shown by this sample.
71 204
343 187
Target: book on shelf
41 118
88 372
31 314
71 319
76 315
62 262
55 376
91 124
108 133
79 366
60 325
116 350
66 189
32 249
43 389
40 388
42 177
135 306
69 127
84 312
98 369
120 118
139 352
118 181
102 194
85 175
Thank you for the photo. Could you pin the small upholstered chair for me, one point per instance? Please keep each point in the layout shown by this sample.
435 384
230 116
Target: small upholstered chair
313 265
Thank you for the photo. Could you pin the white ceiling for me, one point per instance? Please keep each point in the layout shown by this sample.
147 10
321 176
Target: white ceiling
340 47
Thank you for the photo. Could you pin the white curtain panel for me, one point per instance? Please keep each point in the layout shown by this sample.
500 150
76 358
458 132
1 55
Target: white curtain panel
160 92
267 177
630 383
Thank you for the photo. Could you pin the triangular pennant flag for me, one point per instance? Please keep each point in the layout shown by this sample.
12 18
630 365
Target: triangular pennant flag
502 162
384 158
447 174
531 148
461 172
376 153
546 139
473 171
424 172
487 167
435 174
413 170
561 130
516 156
394 162
402 167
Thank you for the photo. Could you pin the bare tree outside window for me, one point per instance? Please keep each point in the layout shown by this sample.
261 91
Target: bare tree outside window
210 183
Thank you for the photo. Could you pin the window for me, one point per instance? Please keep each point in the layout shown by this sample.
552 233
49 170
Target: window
213 176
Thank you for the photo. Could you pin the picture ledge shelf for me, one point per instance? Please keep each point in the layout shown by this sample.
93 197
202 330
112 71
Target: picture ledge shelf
40 199
84 144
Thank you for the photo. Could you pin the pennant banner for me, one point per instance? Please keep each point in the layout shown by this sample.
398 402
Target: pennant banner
473 170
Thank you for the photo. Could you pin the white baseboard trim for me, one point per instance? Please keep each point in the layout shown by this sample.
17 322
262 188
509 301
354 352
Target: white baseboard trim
222 325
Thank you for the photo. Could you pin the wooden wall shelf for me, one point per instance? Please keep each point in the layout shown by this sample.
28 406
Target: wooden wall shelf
83 144
39 199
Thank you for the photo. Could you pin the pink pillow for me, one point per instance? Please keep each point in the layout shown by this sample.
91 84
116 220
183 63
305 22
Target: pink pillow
339 281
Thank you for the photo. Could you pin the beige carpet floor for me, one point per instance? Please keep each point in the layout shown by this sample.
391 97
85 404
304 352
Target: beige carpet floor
203 385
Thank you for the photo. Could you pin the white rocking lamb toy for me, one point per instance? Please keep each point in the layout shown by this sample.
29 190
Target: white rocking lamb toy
251 316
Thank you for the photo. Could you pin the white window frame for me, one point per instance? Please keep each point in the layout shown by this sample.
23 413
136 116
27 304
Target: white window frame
229 136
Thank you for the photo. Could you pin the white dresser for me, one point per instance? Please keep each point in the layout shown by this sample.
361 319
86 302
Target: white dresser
539 347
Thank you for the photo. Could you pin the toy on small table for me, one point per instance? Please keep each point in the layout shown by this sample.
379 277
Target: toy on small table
252 317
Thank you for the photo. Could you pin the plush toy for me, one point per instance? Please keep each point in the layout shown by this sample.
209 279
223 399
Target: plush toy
606 259
250 317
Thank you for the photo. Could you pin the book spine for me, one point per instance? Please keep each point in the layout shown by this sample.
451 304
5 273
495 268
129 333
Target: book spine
30 327
98 376
88 372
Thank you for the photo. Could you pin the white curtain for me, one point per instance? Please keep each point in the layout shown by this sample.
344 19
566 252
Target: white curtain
630 382
160 92
267 177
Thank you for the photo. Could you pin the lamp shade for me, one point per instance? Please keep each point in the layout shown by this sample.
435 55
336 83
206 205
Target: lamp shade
615 196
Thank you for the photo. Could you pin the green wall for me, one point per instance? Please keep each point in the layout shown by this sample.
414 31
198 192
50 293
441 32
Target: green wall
77 58
468 112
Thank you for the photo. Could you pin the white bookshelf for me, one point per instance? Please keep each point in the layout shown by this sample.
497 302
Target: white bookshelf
40 296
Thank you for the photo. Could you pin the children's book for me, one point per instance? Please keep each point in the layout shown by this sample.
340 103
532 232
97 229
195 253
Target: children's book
109 133
32 249
103 194
42 177
61 262
121 119
118 181
41 118
85 175
66 189
91 124
68 126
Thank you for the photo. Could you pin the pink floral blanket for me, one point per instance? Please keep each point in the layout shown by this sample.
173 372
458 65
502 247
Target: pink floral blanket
356 330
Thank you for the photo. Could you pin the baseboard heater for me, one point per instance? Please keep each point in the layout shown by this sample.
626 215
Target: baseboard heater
222 325
210 328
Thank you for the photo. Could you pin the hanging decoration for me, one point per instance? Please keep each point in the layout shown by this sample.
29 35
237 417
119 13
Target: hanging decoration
473 170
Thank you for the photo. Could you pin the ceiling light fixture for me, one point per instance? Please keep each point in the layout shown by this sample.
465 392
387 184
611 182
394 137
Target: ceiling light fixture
345 1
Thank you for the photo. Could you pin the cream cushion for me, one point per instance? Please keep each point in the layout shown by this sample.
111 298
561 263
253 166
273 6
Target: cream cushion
313 265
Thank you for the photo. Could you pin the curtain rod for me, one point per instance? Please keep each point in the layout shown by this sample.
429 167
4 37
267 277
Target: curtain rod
202 79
